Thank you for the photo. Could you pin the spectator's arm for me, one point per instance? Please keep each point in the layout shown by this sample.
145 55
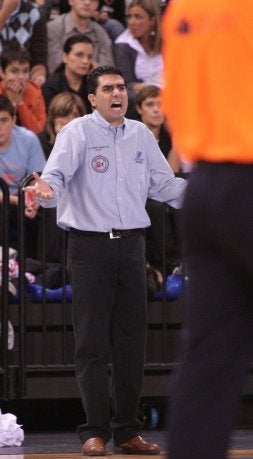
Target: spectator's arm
105 54
8 6
54 47
35 118
38 45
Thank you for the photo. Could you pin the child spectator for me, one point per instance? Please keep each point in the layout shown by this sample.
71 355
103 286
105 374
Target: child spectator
20 155
24 94
63 108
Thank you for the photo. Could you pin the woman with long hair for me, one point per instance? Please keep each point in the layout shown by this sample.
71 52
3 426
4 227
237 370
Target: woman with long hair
138 49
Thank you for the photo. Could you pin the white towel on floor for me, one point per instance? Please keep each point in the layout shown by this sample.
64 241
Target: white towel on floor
11 433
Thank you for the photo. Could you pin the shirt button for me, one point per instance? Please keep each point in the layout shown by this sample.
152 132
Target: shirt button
119 198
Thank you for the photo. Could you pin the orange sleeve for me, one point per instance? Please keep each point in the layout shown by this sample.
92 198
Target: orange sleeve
32 112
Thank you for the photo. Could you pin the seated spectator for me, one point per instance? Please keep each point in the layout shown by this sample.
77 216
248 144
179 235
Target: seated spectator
45 6
22 21
24 94
148 106
138 49
104 16
20 154
63 108
78 20
118 7
71 75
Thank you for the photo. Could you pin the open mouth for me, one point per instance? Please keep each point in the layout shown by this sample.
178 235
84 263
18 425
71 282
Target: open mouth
116 105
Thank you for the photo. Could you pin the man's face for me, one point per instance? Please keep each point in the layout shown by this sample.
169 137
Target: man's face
83 9
110 99
6 124
16 75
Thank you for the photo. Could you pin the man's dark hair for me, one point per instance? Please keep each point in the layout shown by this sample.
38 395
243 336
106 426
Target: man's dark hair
14 52
7 106
92 80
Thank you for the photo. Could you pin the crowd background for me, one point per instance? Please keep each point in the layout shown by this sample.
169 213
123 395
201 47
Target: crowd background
47 49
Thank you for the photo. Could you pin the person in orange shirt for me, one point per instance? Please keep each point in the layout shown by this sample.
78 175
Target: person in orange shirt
208 99
24 94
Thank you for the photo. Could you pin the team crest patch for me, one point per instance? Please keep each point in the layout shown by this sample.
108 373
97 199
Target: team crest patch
100 164
139 158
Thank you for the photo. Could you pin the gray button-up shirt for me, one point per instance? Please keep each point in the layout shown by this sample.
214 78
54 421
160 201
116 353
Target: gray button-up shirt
63 27
103 175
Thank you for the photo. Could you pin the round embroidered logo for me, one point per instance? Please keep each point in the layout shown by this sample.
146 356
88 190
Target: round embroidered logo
100 164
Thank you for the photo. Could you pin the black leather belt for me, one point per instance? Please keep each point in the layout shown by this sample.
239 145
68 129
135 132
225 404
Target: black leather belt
113 234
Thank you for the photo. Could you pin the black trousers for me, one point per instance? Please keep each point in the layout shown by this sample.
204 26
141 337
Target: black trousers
218 310
110 321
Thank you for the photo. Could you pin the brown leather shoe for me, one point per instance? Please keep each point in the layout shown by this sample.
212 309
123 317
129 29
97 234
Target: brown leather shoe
94 447
137 445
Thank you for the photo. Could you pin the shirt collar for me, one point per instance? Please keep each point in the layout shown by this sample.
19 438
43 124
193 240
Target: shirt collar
104 124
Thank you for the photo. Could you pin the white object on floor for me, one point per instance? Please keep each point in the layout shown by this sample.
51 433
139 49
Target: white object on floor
11 433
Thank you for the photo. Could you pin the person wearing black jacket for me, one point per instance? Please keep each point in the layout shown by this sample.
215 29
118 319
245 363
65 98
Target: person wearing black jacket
71 75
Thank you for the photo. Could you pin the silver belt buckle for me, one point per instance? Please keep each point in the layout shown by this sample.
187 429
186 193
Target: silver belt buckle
111 235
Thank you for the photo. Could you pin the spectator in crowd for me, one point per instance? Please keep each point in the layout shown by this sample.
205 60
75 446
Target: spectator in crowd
45 6
20 154
148 106
78 20
22 21
118 7
24 94
138 49
115 164
71 74
103 15
63 108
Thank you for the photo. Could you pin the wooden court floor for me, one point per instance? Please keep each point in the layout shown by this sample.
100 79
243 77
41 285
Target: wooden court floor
233 454
66 445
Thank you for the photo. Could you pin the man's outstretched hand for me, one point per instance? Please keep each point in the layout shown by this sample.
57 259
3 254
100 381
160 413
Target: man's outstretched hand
40 189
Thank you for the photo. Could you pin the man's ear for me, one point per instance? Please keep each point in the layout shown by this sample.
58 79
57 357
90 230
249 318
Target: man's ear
92 100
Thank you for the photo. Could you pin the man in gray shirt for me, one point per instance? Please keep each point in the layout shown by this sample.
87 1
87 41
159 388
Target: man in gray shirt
78 20
99 174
